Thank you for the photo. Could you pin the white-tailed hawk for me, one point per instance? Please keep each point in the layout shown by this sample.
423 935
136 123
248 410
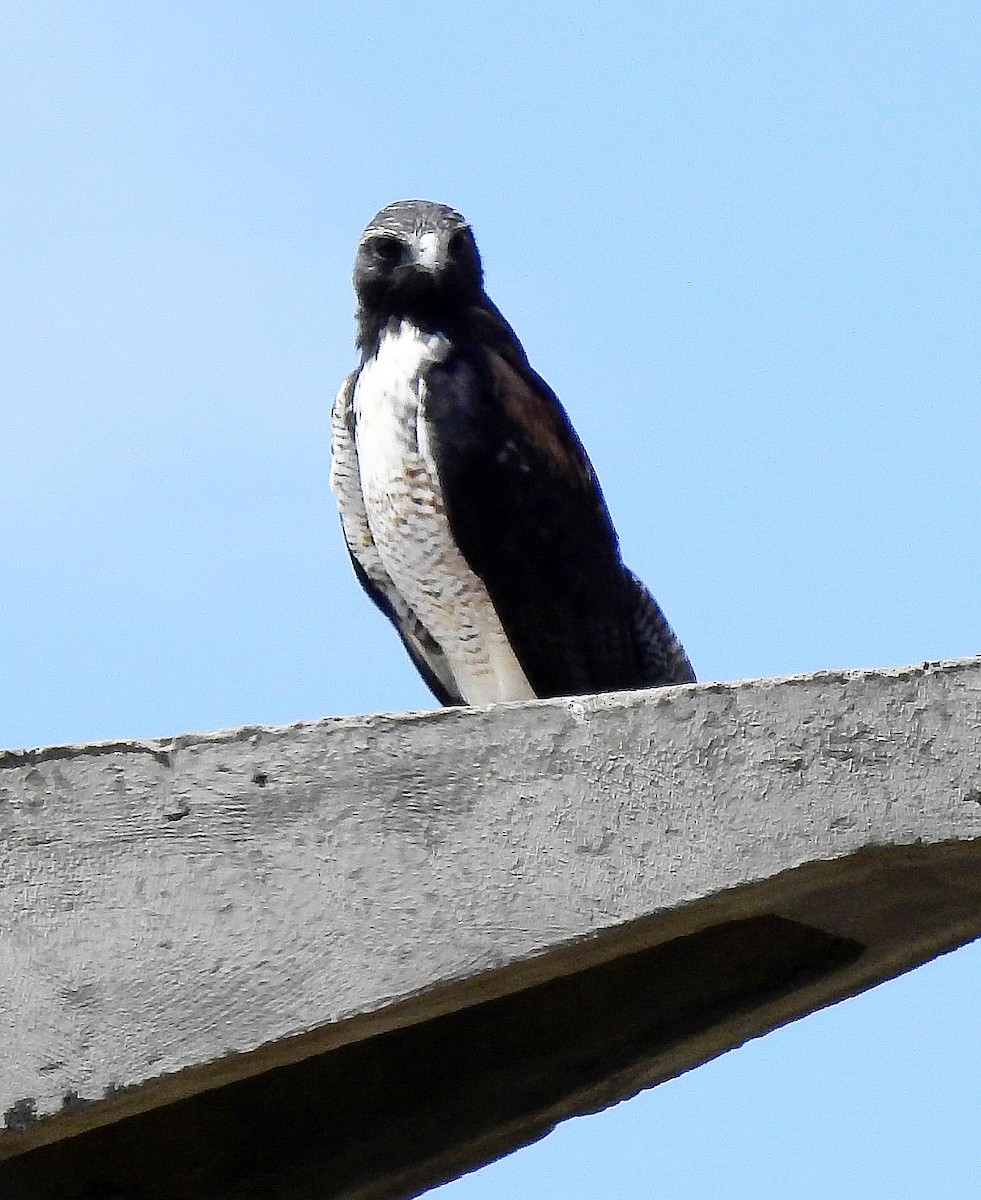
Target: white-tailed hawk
472 515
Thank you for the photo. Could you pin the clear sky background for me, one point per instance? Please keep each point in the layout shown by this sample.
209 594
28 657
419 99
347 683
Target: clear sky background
741 241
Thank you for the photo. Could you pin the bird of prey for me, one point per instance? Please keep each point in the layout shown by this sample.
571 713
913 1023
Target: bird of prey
472 515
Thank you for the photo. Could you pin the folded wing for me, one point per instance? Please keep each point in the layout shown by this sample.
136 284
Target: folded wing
527 513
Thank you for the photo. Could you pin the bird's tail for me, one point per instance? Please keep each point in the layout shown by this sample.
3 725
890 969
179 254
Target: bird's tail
661 656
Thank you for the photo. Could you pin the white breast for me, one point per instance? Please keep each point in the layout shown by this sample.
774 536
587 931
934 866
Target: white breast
404 505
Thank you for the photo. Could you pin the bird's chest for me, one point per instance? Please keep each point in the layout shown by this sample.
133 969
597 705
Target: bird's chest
398 475
407 520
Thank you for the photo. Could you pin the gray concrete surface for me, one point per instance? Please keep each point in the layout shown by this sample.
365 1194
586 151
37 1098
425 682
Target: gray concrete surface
354 957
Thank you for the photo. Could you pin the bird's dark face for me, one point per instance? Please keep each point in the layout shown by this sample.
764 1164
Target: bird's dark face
417 259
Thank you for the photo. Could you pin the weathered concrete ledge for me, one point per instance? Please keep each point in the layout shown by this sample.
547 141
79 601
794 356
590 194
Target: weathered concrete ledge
356 957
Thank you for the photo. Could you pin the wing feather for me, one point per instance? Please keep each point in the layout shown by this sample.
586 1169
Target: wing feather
528 515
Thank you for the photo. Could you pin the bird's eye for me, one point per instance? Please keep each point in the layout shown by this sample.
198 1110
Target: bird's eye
457 243
388 249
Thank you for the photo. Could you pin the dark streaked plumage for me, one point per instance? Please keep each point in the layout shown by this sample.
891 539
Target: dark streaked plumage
472 515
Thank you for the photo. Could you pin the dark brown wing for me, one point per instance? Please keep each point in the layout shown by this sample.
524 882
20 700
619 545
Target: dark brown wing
527 513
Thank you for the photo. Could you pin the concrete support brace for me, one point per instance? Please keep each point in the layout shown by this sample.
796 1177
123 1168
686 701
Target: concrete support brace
356 957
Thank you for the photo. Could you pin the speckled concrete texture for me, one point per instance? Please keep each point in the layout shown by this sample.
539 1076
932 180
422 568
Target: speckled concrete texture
179 914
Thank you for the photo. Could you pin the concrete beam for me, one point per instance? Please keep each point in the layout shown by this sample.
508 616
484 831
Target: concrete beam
357 957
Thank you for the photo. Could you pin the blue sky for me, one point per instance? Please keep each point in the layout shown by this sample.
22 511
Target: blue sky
739 239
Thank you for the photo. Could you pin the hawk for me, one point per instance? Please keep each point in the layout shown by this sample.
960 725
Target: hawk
472 515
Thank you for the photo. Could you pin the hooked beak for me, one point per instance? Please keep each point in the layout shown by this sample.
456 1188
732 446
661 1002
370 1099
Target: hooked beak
428 250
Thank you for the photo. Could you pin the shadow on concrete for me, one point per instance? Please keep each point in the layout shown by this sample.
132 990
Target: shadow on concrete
405 1110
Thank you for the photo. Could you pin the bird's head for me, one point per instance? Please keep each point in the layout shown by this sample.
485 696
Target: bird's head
417 258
